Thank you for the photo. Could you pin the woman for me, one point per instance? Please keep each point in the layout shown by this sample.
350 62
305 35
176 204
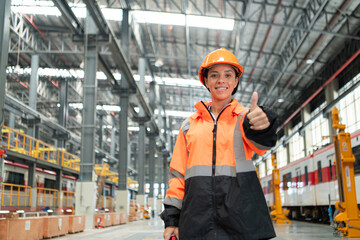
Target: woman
214 191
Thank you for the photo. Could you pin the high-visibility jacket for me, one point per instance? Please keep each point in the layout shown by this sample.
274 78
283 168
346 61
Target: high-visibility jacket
214 192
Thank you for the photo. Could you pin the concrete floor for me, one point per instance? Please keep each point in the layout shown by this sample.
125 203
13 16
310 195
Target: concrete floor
153 229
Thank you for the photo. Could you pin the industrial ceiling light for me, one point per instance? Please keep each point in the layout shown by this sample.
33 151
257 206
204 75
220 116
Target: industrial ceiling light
159 63
309 61
280 100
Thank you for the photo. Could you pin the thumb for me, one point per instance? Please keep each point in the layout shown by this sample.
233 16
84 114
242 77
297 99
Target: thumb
254 101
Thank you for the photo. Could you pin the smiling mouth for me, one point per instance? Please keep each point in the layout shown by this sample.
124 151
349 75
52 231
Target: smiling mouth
221 88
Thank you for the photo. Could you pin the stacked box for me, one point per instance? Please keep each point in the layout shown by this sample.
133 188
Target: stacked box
115 218
102 220
122 218
55 226
76 224
21 229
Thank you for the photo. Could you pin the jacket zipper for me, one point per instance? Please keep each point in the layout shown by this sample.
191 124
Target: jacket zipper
214 156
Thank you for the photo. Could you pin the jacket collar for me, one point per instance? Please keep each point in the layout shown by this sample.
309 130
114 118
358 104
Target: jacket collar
233 108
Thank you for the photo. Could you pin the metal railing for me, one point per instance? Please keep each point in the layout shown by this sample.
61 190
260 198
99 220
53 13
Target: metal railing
68 198
15 195
47 197
19 142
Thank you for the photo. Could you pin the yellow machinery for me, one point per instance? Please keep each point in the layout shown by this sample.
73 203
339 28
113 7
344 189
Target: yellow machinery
278 214
347 221
102 170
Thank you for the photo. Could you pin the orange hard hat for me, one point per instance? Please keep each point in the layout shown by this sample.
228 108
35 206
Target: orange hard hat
219 56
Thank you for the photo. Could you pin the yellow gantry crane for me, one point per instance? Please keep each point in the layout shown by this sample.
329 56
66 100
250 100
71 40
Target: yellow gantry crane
278 214
347 221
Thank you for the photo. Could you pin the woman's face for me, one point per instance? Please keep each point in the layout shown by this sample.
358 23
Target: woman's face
221 81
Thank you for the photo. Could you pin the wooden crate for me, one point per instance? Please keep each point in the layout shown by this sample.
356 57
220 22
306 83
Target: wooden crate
55 226
21 229
76 224
123 218
102 220
115 218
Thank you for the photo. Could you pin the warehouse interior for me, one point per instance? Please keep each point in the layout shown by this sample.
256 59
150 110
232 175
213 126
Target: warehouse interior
93 93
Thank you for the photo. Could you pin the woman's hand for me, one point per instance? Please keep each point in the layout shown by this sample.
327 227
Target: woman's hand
257 118
171 231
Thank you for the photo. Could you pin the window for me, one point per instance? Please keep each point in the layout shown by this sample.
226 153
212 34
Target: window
330 169
306 176
349 110
297 144
63 186
15 178
287 181
262 172
271 187
319 172
356 153
319 129
269 165
281 155
298 178
49 183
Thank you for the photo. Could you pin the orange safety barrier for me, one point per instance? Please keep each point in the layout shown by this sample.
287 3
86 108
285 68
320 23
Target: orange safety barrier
19 142
15 195
47 197
67 198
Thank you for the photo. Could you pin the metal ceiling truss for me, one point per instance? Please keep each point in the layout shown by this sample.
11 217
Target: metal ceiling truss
305 20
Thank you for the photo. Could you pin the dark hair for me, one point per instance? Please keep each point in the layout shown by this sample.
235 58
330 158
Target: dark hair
205 74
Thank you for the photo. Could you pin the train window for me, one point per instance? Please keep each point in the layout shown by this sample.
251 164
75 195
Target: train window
270 188
319 171
330 169
15 178
306 176
49 183
286 181
356 152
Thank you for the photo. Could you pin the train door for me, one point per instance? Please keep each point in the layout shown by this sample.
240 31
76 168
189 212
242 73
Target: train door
333 194
298 185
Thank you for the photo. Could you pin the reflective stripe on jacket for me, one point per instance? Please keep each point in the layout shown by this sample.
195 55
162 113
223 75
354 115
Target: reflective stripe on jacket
212 184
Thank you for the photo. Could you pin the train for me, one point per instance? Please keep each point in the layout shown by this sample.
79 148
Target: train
309 187
16 173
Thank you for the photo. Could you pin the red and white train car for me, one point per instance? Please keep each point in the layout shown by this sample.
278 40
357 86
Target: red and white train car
16 173
309 185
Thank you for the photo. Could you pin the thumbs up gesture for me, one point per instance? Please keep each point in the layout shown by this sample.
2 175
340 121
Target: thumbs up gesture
256 116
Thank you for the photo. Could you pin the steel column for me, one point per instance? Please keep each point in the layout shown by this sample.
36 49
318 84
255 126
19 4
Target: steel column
152 146
113 142
34 79
4 48
101 130
89 106
33 129
124 105
63 110
142 130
